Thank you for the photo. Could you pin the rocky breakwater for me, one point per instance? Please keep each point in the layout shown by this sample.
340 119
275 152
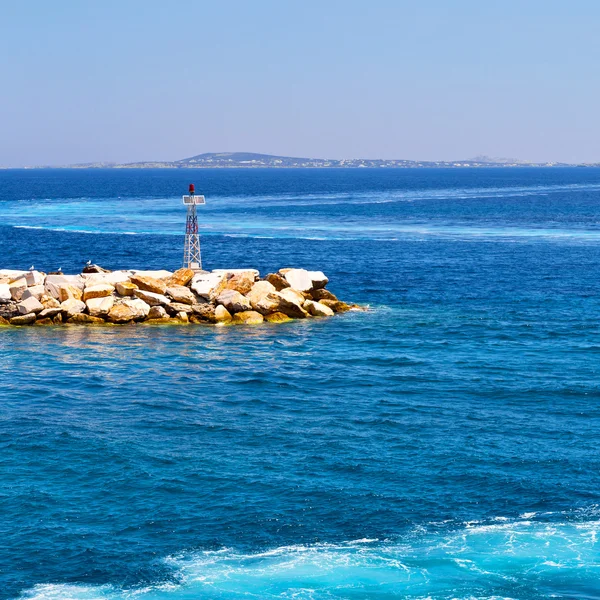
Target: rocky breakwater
237 296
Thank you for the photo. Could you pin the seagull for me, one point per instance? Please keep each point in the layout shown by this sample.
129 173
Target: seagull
59 269
88 263
32 268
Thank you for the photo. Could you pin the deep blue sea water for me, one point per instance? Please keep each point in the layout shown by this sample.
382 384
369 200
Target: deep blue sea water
445 444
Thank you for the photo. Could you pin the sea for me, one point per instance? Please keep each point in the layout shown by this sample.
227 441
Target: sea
443 444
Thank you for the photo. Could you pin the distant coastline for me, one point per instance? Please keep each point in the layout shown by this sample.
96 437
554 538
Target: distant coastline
249 160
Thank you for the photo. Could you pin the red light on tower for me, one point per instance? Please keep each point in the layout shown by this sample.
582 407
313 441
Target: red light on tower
192 189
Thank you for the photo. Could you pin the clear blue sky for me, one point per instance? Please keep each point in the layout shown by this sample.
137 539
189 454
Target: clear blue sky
430 79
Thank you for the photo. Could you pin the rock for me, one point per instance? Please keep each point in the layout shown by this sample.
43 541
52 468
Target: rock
222 315
67 290
17 288
157 312
182 294
293 296
240 282
30 305
37 291
151 298
252 272
34 278
204 312
98 307
277 281
321 294
53 283
278 302
49 301
149 284
5 295
110 278
319 279
140 308
57 319
277 317
83 319
259 290
49 313
102 290
4 322
234 302
12 274
181 277
120 313
177 307
336 305
45 321
247 317
23 319
162 275
125 288
284 271
316 309
204 283
94 269
299 279
182 317
72 307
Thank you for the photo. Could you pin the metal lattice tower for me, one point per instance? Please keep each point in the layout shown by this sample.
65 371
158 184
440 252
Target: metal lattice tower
191 249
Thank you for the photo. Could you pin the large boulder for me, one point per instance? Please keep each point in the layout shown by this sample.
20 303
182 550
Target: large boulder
34 278
36 291
157 312
101 290
299 279
182 294
222 315
68 290
293 295
49 301
205 283
5 295
252 272
49 313
17 288
162 274
233 301
336 305
129 310
98 307
125 288
278 302
278 281
72 307
316 309
54 282
240 282
149 284
178 307
181 277
277 317
151 298
259 290
27 319
248 317
204 312
4 322
83 319
319 279
30 305
321 294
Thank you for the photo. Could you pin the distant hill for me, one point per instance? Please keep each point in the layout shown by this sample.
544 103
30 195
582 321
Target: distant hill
223 160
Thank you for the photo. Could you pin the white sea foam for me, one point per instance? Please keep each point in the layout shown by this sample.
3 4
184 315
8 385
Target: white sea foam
430 562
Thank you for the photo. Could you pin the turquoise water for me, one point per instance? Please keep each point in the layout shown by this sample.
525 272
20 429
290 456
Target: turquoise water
443 444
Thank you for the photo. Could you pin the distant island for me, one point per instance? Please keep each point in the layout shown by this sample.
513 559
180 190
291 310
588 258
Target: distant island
251 160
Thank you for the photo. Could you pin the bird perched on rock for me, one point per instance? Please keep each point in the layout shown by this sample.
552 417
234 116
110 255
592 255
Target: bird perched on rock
32 268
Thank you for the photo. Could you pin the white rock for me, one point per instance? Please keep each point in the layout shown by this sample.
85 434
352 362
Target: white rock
34 278
163 275
259 290
12 274
293 296
106 278
99 306
30 305
204 283
72 307
223 272
151 298
299 279
53 283
233 301
36 291
5 295
138 306
17 288
180 293
100 290
316 309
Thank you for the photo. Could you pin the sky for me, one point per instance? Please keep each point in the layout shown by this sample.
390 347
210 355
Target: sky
143 80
